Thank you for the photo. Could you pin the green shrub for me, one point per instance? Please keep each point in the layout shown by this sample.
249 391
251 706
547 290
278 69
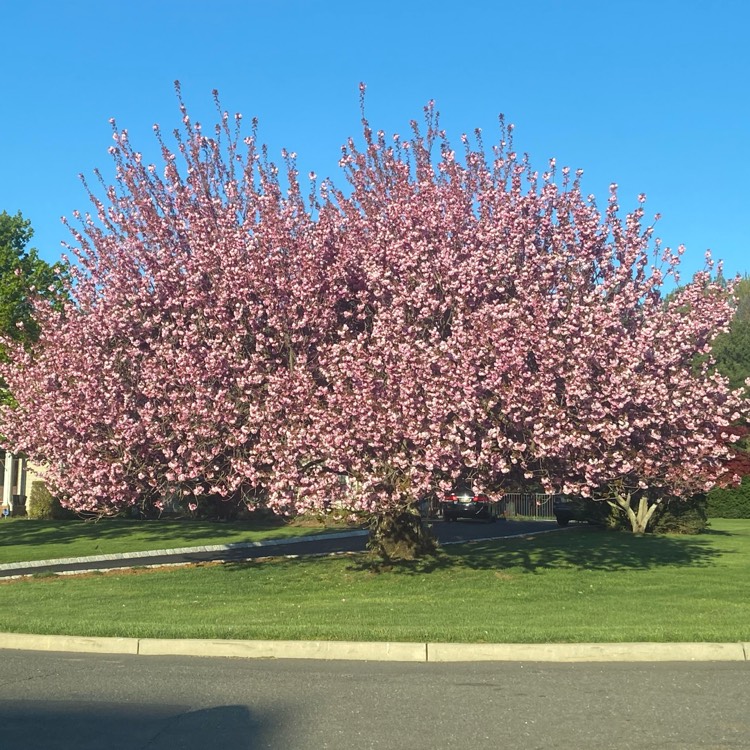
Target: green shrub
673 516
42 505
730 502
677 516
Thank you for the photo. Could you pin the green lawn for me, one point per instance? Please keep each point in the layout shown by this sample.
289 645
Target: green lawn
580 585
22 539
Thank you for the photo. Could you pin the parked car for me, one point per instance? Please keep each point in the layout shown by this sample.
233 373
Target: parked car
463 502
569 508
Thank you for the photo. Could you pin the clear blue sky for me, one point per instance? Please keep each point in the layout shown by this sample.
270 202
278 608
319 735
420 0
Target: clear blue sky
651 94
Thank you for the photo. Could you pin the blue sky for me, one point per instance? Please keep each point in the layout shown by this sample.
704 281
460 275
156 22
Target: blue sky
652 95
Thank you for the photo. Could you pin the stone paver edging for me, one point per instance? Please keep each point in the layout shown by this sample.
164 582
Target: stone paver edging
381 651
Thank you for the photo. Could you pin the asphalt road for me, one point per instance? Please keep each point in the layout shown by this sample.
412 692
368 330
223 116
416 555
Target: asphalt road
52 701
464 530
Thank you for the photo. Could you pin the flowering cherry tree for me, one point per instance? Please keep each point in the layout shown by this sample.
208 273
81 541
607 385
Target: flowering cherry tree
636 420
179 362
511 329
441 316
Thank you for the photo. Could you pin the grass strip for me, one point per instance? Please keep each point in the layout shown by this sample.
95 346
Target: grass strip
584 585
22 540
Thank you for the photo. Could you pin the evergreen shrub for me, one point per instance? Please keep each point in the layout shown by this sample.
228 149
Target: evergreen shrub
730 502
674 516
42 505
681 516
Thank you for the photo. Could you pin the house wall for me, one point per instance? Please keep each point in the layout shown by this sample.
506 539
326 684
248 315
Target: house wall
16 476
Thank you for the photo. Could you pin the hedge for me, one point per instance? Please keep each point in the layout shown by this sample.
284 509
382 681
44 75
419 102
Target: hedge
730 502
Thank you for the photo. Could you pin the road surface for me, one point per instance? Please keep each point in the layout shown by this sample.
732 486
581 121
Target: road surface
52 701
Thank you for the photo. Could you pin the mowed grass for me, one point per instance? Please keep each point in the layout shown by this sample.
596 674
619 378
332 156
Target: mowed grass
579 585
22 539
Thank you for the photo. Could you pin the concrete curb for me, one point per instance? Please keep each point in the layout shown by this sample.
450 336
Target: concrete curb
558 530
70 643
381 651
328 650
587 652
182 550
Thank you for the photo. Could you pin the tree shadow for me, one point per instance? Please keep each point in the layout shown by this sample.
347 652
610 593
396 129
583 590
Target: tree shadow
89 725
38 532
591 549
582 548
371 563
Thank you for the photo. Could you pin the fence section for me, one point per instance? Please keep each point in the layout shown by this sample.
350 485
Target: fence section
512 505
524 505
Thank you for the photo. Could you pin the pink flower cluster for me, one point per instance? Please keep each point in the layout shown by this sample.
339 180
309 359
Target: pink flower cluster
225 336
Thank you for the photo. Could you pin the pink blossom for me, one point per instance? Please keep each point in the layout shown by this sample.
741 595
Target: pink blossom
435 317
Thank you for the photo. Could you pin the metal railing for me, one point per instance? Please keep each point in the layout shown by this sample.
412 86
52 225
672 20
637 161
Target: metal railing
512 505
525 505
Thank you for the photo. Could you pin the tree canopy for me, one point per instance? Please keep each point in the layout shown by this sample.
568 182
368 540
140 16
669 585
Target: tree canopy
439 317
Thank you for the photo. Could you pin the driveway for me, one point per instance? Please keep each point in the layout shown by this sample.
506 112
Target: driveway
446 533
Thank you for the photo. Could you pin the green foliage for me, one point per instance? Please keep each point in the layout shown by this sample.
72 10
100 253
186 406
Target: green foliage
23 277
43 506
732 353
23 274
730 502
674 516
678 516
732 349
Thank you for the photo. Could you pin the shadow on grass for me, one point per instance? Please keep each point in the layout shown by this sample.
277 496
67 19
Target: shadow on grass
33 532
584 548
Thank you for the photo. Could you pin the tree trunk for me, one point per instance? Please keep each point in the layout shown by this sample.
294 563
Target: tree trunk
639 517
400 535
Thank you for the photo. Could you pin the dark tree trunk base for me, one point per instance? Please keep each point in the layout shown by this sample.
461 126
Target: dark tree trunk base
400 535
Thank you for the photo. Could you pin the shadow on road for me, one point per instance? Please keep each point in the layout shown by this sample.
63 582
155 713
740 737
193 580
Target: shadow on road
68 725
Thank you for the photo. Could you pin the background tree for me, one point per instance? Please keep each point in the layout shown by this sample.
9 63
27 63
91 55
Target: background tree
732 353
24 277
732 349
